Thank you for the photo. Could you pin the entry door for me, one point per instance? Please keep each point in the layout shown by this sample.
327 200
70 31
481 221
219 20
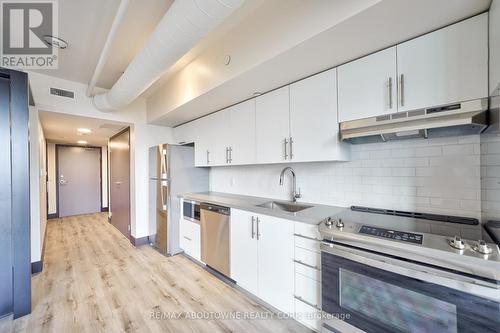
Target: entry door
119 149
79 179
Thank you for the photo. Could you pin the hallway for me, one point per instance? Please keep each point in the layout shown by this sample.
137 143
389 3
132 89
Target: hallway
94 280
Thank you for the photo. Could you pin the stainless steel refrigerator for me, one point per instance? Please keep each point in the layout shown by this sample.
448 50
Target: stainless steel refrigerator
171 172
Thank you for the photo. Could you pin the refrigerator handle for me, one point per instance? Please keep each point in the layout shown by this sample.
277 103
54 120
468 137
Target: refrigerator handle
164 187
163 163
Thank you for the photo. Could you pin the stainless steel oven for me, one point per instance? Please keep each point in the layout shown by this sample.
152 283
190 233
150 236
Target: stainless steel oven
191 211
381 293
386 271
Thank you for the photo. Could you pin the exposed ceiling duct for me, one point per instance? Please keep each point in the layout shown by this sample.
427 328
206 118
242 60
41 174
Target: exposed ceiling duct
184 24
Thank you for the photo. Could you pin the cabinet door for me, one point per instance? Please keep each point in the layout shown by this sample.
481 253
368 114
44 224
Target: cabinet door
367 86
273 126
446 66
242 133
244 263
313 120
276 269
212 140
202 141
219 138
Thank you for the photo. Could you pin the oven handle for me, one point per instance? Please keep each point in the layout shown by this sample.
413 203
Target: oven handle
455 281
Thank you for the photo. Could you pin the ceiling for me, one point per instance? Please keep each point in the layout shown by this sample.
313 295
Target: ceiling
85 26
189 94
62 128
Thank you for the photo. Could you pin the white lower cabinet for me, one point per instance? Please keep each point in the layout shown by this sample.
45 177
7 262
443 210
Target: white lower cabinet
190 239
244 252
262 257
307 290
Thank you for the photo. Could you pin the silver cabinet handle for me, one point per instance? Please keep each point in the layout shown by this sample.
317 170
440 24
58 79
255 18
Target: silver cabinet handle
402 89
389 92
189 239
307 265
307 237
308 303
291 148
208 157
258 231
230 154
253 227
227 155
286 146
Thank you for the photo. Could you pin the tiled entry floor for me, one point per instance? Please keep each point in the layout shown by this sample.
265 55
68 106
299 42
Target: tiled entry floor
94 280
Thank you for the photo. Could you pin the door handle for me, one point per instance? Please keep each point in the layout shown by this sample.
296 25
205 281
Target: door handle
291 148
63 181
230 154
208 157
402 89
286 145
258 231
227 155
389 93
253 227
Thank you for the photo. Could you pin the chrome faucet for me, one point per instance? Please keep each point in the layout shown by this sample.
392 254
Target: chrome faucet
295 195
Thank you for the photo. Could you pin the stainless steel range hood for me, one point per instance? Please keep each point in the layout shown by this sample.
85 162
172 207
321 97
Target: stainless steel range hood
464 118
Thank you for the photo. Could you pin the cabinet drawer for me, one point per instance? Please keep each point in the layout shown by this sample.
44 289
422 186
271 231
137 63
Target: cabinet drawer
308 290
307 315
307 257
310 272
307 230
190 238
307 243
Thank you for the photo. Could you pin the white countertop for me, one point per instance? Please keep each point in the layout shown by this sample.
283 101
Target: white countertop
313 215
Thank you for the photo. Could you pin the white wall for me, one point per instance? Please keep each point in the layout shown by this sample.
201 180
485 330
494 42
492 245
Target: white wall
142 135
494 21
38 203
438 176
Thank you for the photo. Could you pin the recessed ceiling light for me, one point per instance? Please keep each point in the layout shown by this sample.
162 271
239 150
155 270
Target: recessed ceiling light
84 130
82 142
55 41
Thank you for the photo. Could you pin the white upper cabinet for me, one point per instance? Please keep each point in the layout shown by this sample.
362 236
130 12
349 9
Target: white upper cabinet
445 66
313 120
273 126
211 139
202 142
241 145
368 86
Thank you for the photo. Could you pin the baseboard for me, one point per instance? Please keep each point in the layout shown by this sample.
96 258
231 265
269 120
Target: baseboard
52 216
139 241
36 267
104 209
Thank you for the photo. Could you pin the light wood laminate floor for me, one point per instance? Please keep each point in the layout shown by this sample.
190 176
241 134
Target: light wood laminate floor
94 280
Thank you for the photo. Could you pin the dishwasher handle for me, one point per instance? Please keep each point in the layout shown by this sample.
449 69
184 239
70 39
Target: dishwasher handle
216 209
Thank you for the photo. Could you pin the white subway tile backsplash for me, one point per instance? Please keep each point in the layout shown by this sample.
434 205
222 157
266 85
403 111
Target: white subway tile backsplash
463 149
440 175
428 151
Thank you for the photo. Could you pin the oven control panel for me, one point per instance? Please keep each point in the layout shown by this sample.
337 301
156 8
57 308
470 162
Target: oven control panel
401 236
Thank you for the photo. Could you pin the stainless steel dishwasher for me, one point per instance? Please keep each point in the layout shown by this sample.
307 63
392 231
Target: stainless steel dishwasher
215 222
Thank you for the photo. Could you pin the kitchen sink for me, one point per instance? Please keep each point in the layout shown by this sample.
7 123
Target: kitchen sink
284 206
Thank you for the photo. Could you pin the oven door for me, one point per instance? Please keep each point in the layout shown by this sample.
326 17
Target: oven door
373 292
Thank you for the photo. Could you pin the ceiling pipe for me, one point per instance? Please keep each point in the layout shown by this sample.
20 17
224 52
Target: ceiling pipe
120 14
184 24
